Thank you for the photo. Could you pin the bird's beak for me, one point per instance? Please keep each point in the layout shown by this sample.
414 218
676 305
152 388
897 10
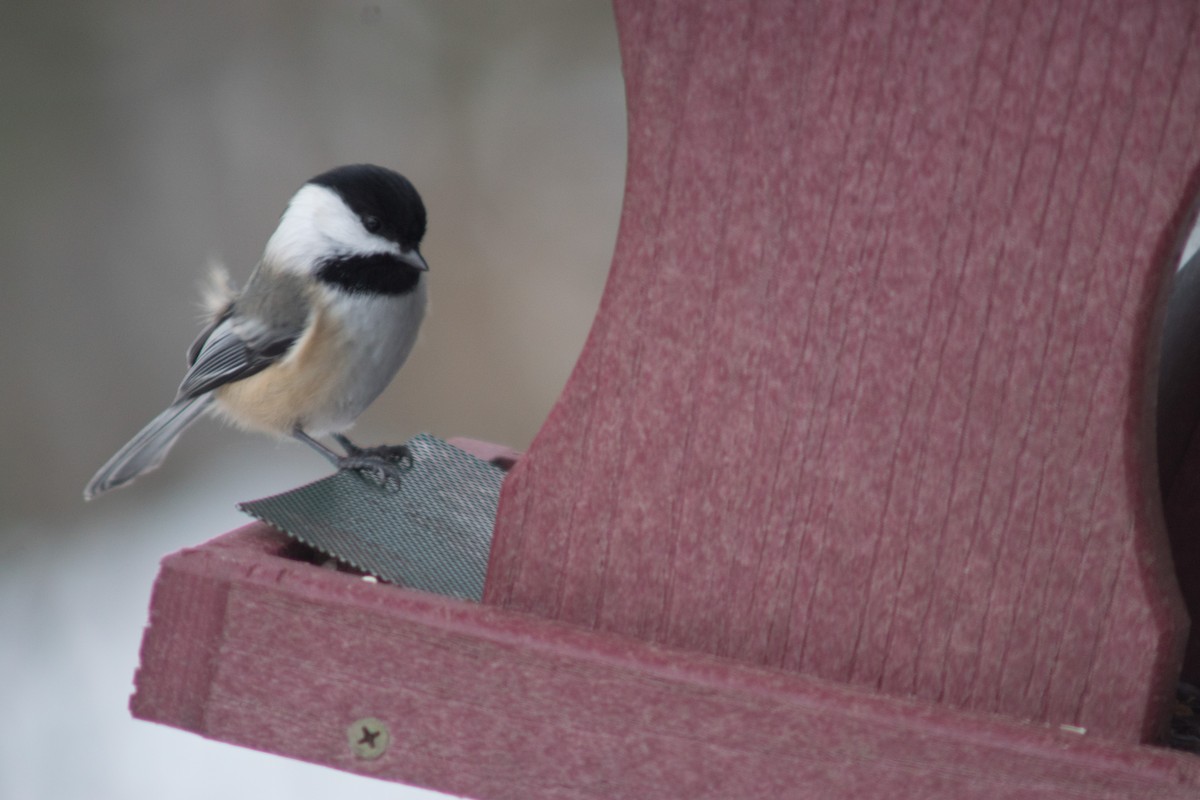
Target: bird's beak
414 260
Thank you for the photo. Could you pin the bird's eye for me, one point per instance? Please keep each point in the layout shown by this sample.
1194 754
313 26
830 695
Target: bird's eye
372 224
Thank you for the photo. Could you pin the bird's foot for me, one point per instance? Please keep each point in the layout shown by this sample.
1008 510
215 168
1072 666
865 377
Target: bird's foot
383 462
390 452
386 463
380 468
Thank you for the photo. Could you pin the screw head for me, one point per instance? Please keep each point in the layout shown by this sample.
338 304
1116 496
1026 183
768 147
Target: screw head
368 737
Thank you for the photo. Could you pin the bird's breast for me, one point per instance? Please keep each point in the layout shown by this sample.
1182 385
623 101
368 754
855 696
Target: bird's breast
351 350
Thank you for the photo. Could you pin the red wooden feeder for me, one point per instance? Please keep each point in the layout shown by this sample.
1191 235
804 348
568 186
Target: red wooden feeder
851 492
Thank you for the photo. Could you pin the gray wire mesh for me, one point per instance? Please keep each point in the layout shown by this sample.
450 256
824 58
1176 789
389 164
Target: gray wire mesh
432 530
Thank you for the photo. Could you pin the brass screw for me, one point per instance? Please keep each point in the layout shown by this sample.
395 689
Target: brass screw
368 737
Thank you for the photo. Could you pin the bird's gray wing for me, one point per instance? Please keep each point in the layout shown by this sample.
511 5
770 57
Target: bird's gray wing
233 349
147 450
244 337
202 337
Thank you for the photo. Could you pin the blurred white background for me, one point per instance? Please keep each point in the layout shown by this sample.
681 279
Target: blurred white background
140 141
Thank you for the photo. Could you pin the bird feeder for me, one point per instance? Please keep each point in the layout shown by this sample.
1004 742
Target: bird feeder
852 491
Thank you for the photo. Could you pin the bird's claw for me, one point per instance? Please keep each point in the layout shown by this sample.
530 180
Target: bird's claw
393 453
382 471
384 462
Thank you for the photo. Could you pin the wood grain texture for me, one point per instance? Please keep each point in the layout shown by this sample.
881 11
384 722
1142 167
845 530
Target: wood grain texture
251 648
867 395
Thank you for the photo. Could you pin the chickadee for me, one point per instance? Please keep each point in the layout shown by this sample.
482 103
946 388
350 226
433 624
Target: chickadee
328 316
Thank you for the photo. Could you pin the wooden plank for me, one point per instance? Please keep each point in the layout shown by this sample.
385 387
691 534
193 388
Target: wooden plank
248 647
867 397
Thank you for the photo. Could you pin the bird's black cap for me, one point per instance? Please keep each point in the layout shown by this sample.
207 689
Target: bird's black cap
378 192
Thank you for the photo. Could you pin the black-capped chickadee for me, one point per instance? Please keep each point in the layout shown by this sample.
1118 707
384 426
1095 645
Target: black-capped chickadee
328 316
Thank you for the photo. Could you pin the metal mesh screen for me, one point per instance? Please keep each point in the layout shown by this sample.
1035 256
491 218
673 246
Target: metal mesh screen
431 531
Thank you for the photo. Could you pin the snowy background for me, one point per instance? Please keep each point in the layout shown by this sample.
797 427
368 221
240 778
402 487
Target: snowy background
140 141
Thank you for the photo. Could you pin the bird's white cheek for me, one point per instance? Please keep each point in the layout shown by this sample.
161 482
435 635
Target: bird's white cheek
317 225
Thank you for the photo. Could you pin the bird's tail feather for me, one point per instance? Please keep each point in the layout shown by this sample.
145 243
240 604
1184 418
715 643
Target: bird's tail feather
147 450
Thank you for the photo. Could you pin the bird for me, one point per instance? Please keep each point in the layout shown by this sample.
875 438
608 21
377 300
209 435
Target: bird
324 322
